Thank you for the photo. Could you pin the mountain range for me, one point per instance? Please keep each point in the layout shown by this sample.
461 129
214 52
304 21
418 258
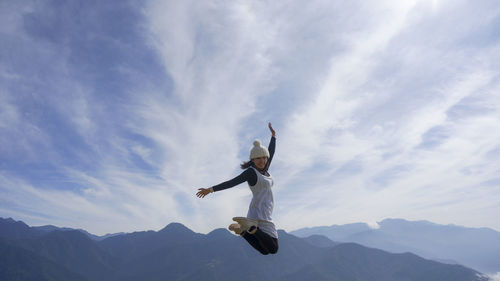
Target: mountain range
178 253
478 248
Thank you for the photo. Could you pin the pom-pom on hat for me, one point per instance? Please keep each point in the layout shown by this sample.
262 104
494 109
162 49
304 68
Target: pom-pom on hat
258 150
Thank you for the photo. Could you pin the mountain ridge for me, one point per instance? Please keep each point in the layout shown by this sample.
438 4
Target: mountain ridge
177 253
477 248
40 230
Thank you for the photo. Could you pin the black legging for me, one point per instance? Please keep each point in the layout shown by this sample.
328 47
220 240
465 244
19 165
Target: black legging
262 242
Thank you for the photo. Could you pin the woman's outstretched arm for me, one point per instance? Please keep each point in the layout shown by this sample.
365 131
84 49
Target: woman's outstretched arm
246 176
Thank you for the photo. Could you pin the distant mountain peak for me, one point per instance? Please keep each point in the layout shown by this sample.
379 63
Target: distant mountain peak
320 241
175 227
12 221
12 229
219 233
403 221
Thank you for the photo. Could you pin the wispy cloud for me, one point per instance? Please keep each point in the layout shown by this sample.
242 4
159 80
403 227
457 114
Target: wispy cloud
373 122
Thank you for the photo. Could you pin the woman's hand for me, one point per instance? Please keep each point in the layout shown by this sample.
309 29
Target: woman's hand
202 192
273 133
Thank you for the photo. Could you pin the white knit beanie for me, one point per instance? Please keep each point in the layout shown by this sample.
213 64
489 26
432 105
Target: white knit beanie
258 150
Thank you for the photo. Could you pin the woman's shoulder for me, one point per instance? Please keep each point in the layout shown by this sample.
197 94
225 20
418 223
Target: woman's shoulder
250 170
250 173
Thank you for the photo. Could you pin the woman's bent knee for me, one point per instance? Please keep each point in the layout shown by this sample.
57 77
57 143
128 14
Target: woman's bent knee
274 250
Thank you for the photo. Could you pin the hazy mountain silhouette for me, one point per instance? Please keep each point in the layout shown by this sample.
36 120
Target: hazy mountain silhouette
75 251
341 232
177 253
20 264
134 245
320 241
478 248
18 229
11 229
351 261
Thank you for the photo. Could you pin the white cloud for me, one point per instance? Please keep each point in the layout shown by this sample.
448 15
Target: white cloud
217 58
333 131
495 277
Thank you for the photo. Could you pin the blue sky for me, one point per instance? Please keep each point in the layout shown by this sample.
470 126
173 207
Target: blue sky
113 113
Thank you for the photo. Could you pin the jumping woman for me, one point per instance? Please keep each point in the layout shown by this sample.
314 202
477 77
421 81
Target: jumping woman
257 228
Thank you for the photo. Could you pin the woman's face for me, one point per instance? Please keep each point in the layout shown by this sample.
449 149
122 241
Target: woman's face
260 162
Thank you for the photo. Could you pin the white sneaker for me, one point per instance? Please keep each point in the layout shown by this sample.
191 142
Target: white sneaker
236 228
245 223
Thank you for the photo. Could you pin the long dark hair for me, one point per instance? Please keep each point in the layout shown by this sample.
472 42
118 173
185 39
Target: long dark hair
247 164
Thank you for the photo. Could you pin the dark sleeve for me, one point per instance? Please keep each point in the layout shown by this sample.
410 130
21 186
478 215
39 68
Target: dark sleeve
271 148
248 175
